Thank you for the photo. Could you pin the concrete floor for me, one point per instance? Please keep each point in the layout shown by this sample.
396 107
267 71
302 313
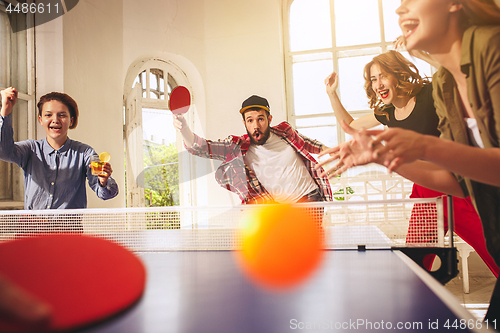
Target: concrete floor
481 284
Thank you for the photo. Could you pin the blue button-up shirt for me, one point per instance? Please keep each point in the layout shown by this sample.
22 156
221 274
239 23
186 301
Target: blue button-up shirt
53 179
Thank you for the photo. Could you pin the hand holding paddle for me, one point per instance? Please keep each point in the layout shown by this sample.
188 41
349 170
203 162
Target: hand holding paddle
180 122
180 100
179 103
74 280
22 307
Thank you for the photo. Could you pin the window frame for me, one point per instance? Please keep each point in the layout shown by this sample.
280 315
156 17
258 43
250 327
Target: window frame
172 74
334 50
23 130
340 186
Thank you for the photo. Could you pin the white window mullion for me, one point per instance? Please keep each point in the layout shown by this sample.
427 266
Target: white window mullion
31 61
345 59
148 72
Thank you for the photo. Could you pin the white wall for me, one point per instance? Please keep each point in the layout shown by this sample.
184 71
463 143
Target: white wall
235 49
81 54
93 48
49 60
243 58
229 50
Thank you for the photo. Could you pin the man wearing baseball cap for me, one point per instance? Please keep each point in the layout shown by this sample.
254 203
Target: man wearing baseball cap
266 165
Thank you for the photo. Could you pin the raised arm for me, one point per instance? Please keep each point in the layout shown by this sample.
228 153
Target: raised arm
340 112
219 150
9 99
9 150
181 125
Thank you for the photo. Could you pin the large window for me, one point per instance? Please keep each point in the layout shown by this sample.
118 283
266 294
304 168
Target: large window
16 70
322 36
161 165
152 155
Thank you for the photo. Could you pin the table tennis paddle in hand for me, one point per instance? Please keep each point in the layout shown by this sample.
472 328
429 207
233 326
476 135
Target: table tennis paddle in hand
82 280
180 100
22 307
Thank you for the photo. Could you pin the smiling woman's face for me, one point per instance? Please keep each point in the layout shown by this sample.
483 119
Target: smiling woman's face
382 85
425 22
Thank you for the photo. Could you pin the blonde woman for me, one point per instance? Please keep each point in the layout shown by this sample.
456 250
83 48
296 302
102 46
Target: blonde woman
401 97
463 36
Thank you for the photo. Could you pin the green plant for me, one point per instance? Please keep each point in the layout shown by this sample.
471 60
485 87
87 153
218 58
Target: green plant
161 175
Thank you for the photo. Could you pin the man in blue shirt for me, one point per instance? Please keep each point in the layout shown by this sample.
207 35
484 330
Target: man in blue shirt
56 167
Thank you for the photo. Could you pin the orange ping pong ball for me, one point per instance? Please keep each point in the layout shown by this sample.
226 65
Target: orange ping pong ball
281 245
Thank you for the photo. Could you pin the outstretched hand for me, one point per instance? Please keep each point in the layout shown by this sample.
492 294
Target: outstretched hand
331 82
389 147
358 151
396 146
400 43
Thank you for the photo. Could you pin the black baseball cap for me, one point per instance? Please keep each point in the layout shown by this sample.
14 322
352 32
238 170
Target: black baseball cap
255 101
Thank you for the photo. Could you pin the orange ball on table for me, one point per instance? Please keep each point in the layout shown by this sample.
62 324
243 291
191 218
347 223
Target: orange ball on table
281 245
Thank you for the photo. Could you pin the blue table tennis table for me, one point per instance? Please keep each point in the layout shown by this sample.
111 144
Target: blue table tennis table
365 291
365 283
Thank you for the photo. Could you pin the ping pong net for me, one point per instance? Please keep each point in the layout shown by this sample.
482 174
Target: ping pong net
415 226
346 224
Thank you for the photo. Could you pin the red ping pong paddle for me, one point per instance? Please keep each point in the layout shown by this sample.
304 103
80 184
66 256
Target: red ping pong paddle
84 280
180 100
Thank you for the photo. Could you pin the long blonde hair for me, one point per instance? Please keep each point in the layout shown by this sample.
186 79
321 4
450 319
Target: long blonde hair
478 12
403 74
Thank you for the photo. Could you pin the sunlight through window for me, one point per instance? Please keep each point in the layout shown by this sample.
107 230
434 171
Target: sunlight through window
342 36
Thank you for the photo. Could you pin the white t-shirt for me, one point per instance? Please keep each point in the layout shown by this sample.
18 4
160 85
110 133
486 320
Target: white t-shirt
280 169
474 132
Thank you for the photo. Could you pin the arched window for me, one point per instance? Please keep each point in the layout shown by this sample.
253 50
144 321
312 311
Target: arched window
322 36
153 165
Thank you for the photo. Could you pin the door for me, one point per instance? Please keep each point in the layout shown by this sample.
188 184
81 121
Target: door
134 148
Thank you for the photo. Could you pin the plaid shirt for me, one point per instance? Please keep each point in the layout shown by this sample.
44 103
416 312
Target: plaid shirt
237 177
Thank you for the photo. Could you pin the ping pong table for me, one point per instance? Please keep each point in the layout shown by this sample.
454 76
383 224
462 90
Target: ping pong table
194 283
374 290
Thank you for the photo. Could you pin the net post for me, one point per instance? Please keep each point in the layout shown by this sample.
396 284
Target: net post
449 200
440 221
